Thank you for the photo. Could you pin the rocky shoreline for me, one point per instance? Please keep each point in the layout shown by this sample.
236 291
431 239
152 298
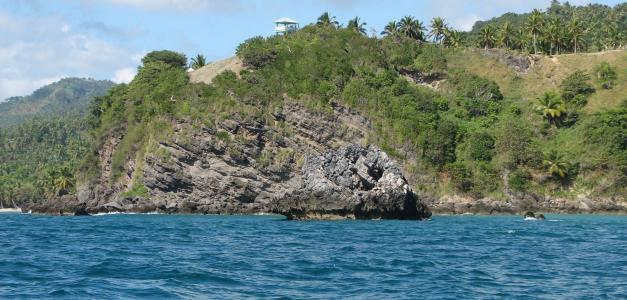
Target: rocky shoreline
317 168
353 182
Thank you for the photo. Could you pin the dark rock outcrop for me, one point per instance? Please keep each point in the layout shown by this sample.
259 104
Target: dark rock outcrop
517 62
353 182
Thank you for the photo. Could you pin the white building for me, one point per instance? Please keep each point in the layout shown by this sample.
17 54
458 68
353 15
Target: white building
285 25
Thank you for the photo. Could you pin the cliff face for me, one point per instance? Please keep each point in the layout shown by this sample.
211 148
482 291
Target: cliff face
248 167
314 168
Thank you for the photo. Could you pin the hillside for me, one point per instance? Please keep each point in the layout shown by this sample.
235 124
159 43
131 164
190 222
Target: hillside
43 138
66 96
467 129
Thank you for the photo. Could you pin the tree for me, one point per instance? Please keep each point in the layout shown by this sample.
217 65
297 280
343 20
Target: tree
326 20
174 59
522 39
438 29
605 75
576 31
412 28
556 165
554 34
551 107
487 37
356 25
256 52
535 24
390 29
198 62
576 84
452 38
506 33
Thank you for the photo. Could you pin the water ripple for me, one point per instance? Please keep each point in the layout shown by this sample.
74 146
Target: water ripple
153 256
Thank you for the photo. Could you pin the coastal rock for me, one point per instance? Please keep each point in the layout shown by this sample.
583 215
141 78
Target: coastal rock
353 182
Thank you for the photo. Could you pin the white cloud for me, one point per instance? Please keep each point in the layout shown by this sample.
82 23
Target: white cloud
124 75
465 23
179 5
38 51
19 87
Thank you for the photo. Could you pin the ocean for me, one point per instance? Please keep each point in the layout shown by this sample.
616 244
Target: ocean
267 257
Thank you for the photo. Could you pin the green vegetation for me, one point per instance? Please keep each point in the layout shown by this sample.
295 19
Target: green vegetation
39 157
561 28
42 140
65 97
605 75
198 62
478 129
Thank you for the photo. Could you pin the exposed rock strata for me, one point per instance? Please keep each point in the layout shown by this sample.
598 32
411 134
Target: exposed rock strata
244 166
353 182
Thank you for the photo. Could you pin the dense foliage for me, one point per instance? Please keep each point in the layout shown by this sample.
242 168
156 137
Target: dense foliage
39 157
561 28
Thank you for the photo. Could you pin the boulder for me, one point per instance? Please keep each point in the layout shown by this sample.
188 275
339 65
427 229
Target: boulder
353 182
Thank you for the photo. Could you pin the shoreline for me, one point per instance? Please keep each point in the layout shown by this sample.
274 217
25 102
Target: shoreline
435 214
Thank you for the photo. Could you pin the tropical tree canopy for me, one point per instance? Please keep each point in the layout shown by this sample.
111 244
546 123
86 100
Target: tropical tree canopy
551 107
326 20
198 62
356 25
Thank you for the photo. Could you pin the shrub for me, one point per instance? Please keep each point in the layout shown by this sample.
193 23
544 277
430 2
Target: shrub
608 132
605 75
576 84
515 145
477 95
480 146
430 61
461 176
438 145
518 180
579 101
174 59
256 52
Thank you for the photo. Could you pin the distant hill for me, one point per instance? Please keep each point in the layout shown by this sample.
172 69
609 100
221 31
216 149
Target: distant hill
60 98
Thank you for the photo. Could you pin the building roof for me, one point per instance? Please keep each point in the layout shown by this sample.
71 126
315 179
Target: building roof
286 21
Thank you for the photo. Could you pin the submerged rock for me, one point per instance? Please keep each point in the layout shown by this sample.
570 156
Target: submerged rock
353 182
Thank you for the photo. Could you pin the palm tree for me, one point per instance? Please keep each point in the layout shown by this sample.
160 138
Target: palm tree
556 165
551 107
198 62
534 25
411 28
452 38
554 34
356 25
438 29
576 31
64 181
326 20
522 39
487 37
390 29
506 33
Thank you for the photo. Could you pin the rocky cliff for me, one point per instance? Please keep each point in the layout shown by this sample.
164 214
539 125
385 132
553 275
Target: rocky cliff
314 169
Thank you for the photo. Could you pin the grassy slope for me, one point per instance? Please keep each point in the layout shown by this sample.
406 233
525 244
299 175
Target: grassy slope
547 74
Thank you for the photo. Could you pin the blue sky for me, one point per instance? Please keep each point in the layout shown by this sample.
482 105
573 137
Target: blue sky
42 41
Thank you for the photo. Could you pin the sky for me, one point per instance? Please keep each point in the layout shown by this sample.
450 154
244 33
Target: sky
42 41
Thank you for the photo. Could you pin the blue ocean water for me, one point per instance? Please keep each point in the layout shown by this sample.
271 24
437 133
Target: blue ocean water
456 257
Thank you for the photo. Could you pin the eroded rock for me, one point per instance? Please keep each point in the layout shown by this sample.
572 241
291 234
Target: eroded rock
353 182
